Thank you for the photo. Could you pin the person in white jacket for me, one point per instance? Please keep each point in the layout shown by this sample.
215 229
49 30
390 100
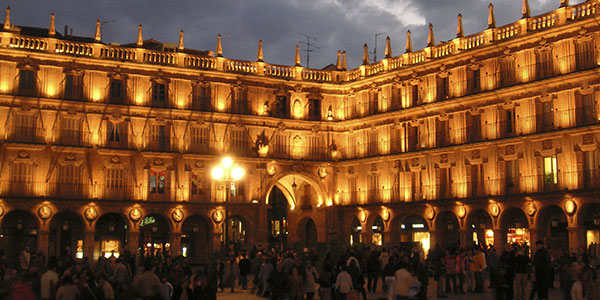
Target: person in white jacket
343 283
404 280
581 288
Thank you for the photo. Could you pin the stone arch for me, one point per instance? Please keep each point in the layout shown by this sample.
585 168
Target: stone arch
284 182
110 233
479 222
589 221
66 231
307 233
552 223
238 236
19 229
155 235
448 226
514 226
196 238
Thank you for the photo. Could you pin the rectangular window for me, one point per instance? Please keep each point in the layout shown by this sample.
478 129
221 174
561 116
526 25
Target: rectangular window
473 128
158 182
315 146
282 107
544 65
473 81
415 94
373 188
27 83
510 118
237 140
21 179
373 103
201 98
159 94
590 168
352 190
68 181
507 72
512 177
117 91
240 101
547 115
281 145
584 55
115 179
73 87
70 131
352 146
444 183
550 170
442 133
159 139
197 189
314 109
442 89
586 109
200 139
24 129
477 181
373 145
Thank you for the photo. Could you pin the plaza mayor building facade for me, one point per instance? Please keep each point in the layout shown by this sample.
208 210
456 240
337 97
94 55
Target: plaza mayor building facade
488 138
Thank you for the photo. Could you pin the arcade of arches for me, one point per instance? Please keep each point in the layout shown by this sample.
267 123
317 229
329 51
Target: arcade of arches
294 215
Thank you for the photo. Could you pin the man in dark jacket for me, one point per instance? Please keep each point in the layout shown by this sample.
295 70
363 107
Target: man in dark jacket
245 268
373 270
541 263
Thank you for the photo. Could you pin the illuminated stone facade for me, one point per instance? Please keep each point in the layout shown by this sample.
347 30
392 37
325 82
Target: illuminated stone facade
493 134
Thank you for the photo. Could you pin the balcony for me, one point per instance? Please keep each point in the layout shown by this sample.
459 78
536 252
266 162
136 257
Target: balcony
158 144
77 138
24 135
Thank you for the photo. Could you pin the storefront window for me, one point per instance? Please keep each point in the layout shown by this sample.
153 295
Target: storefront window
517 236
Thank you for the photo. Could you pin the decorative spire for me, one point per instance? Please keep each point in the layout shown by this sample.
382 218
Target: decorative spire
259 56
180 45
388 47
365 54
140 40
219 46
7 19
408 42
297 59
491 18
526 11
459 27
344 65
430 38
338 63
52 29
98 35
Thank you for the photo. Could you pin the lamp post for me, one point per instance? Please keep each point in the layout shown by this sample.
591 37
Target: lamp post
227 171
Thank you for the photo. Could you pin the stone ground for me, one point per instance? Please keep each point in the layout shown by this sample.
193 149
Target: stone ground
246 295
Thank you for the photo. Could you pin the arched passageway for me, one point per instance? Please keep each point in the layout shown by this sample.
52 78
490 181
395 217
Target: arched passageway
66 235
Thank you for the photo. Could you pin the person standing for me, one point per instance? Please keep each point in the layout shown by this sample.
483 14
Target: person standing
296 285
326 280
373 270
541 264
521 275
389 274
48 283
148 284
310 276
343 283
403 283
245 267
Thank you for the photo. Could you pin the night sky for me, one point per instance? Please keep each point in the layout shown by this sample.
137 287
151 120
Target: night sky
337 24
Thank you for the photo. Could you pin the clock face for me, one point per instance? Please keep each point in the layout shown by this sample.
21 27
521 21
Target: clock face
217 216
45 212
91 214
135 214
177 215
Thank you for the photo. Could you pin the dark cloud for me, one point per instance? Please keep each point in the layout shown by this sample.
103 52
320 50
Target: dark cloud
337 24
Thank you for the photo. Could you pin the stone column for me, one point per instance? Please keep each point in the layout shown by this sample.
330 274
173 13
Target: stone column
576 239
175 243
435 238
499 240
88 245
466 238
42 241
133 240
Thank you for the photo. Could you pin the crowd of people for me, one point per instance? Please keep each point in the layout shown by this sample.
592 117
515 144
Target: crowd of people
399 273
